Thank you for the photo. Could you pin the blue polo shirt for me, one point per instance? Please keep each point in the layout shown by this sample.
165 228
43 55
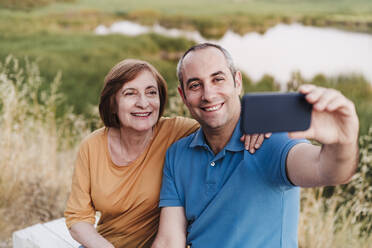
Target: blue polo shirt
234 198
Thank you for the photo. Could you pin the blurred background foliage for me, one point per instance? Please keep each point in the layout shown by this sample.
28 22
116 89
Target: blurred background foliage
58 34
52 67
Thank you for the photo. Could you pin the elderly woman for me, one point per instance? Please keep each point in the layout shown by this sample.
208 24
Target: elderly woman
118 169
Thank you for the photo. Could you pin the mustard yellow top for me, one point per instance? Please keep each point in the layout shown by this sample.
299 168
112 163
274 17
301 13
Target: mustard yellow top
126 196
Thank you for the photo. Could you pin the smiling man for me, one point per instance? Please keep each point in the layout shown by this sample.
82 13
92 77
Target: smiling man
211 92
216 194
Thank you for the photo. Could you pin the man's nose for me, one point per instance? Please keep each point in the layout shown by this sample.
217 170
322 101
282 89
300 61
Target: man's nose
208 92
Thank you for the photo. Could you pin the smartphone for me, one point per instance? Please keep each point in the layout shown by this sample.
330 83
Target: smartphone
275 112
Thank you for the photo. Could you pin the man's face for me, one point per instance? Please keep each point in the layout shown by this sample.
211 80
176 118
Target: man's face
209 89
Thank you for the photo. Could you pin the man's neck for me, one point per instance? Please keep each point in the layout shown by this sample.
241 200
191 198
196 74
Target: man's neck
217 138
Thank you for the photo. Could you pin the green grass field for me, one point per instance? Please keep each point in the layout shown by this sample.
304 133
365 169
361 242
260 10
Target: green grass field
212 7
84 59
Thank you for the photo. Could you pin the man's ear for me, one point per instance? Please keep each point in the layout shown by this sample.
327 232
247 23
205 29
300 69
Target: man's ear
182 94
238 81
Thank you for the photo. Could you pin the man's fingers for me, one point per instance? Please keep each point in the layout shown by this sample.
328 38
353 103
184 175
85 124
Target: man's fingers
328 96
324 99
306 88
341 104
314 95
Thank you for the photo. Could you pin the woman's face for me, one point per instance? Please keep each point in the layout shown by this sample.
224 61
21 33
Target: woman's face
138 102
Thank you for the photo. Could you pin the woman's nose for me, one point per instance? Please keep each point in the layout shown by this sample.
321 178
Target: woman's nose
142 101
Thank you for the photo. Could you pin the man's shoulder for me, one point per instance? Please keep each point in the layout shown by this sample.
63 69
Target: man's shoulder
277 138
181 149
282 139
278 146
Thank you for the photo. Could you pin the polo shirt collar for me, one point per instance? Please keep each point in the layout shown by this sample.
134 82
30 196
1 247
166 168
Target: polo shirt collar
198 139
234 143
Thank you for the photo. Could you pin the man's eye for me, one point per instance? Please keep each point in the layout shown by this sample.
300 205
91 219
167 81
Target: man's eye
194 86
128 93
218 79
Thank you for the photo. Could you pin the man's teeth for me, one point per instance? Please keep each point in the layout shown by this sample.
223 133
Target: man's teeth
213 108
142 115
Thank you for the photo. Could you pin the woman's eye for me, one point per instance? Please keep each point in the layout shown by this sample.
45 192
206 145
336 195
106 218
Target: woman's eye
151 93
128 93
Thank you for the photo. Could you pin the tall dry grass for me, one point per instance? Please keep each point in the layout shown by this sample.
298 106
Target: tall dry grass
340 216
37 148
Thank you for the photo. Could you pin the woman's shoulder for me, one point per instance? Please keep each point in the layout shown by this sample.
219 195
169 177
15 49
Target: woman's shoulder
175 128
95 137
177 122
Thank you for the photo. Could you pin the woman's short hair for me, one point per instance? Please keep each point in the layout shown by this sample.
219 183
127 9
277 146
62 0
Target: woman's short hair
121 73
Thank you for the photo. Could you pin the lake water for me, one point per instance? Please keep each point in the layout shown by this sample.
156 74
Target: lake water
282 50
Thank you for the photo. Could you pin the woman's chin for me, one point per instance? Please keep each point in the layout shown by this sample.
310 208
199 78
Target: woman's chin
141 126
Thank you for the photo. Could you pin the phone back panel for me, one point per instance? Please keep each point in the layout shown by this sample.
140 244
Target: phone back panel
275 112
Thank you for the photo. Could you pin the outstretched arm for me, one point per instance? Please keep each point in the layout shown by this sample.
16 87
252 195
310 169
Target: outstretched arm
335 125
172 228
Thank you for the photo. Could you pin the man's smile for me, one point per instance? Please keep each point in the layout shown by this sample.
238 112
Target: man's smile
212 108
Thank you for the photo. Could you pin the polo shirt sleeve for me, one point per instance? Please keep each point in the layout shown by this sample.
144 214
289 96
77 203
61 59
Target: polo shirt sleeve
275 163
169 196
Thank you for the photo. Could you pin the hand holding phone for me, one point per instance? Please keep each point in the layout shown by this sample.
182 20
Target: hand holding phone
275 112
